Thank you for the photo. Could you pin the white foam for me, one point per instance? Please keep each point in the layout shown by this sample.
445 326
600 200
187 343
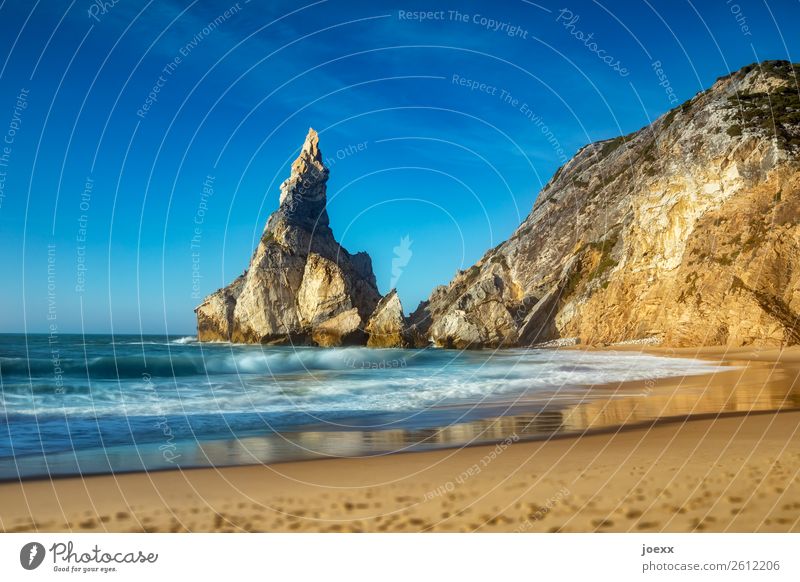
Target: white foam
285 380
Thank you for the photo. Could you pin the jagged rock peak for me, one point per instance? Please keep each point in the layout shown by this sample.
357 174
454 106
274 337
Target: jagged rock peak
301 285
303 195
310 147
309 163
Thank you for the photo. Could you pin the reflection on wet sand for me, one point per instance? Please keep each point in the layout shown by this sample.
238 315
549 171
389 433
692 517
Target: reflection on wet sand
750 387
745 387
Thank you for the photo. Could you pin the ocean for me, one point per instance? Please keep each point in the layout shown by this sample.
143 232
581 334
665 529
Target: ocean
95 404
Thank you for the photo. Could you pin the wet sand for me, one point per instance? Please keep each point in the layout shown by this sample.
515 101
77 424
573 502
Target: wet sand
736 472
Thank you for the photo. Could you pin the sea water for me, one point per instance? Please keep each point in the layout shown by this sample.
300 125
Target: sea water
84 404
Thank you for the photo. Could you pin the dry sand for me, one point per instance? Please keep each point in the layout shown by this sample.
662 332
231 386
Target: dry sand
737 473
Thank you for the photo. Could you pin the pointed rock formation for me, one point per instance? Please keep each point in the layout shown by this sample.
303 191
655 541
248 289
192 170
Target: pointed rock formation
387 328
301 285
686 232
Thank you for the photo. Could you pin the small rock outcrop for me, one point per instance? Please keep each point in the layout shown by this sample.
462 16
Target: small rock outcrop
387 328
301 285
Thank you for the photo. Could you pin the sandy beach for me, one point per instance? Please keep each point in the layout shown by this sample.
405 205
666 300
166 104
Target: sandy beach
736 472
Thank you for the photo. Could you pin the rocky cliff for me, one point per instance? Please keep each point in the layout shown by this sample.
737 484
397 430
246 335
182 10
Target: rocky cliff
301 285
684 233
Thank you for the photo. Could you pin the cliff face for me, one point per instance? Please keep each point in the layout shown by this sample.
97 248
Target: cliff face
301 285
685 232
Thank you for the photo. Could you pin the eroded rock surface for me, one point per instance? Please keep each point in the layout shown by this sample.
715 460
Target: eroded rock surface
685 232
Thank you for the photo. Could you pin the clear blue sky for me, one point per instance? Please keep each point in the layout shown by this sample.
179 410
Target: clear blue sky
453 165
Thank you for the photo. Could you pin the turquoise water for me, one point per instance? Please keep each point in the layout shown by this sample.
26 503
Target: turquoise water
74 404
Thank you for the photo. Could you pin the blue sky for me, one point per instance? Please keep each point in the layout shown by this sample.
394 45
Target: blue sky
461 118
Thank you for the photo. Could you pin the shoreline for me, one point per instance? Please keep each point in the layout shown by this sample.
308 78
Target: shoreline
662 471
529 420
641 426
678 476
